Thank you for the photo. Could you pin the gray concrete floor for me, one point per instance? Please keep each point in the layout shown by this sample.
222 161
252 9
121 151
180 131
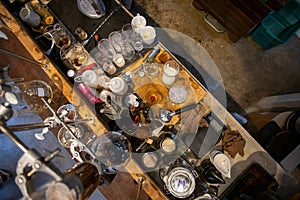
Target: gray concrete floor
248 72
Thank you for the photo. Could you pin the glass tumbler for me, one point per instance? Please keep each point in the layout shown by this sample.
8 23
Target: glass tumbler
119 60
80 55
137 41
151 69
74 55
104 45
127 51
170 71
127 31
116 39
61 36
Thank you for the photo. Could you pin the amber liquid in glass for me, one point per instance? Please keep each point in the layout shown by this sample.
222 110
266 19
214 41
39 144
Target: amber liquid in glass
64 41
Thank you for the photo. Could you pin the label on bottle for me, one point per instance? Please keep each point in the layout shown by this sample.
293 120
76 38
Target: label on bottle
41 92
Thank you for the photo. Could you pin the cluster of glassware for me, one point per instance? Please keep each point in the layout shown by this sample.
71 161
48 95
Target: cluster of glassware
118 48
121 45
72 53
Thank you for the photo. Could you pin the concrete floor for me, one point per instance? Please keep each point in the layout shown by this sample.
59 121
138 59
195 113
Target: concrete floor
248 72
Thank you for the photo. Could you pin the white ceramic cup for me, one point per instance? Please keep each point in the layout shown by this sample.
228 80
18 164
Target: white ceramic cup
29 16
148 34
138 22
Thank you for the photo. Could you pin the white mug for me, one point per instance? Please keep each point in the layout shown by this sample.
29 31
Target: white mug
138 22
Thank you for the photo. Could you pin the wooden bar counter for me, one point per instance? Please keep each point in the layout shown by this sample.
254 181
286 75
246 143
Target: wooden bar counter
252 151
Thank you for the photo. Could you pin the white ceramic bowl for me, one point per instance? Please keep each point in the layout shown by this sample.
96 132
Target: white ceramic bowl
148 34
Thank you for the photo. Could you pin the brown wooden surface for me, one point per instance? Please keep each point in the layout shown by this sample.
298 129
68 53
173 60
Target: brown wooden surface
237 16
52 72
27 70
123 187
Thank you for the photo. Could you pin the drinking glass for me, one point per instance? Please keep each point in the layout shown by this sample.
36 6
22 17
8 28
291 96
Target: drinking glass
151 69
137 41
119 60
178 94
109 67
116 39
73 56
105 62
127 31
127 51
59 34
148 34
170 70
104 45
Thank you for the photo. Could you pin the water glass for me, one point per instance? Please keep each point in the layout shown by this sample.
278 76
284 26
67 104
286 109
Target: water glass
116 39
105 47
137 42
151 69
61 36
170 70
73 56
109 67
178 94
127 51
119 60
127 31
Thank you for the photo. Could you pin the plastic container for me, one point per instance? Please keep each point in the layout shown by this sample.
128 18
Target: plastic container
289 14
272 25
272 31
263 34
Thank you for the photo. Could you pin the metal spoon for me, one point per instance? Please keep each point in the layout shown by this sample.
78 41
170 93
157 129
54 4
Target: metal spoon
85 42
166 115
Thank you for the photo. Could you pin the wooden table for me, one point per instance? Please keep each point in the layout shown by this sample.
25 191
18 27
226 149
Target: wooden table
253 151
